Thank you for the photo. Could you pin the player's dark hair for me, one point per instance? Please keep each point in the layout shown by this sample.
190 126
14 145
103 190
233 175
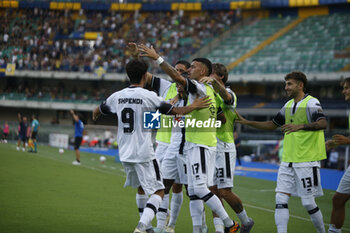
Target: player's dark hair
205 62
298 76
185 63
220 70
346 80
136 69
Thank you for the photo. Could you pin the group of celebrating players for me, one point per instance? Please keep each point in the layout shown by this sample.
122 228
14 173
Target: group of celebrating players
203 159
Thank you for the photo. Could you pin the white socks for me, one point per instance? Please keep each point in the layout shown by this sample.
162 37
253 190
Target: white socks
141 201
243 217
333 229
175 207
162 213
282 212
196 209
150 210
219 225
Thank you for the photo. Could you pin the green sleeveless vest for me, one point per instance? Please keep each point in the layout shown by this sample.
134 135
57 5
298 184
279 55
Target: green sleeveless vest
302 146
225 132
164 134
203 135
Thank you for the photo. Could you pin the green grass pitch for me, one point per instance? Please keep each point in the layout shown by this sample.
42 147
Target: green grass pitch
44 193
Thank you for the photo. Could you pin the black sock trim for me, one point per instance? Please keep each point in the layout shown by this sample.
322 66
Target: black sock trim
162 210
207 197
194 197
313 210
281 206
140 210
149 205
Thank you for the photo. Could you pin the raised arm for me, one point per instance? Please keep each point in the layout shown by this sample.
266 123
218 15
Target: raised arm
265 125
75 116
135 54
96 113
166 67
198 103
19 117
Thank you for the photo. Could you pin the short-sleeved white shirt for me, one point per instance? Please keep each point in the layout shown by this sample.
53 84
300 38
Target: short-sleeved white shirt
135 143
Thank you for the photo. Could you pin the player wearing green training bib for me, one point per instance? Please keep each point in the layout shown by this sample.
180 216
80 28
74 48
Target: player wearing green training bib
200 143
302 121
226 149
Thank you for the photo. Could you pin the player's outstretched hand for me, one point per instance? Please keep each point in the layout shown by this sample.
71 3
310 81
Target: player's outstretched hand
207 80
290 128
148 52
200 103
96 113
341 139
330 144
240 119
132 47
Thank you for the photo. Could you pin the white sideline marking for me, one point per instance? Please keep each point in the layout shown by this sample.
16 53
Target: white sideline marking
266 190
82 165
291 215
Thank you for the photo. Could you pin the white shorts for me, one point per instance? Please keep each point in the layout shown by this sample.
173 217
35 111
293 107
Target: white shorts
201 166
169 167
174 168
145 174
225 169
161 151
299 181
344 185
182 168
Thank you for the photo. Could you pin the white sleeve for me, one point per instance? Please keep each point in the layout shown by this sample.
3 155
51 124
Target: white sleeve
233 104
314 110
154 101
200 88
161 86
110 104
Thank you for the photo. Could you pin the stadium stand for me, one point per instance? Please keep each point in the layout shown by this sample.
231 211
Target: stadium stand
246 39
310 47
47 40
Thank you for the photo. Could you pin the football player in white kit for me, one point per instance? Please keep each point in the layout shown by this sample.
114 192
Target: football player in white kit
173 166
200 142
135 144
226 150
342 194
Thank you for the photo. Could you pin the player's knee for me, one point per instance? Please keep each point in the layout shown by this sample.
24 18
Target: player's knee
202 191
282 198
177 188
309 204
225 193
338 200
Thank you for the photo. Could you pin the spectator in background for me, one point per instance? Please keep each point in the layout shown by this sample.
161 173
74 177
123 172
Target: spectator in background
108 135
34 133
22 132
5 132
78 135
333 159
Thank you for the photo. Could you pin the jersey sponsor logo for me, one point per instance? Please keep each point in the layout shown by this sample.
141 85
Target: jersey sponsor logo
151 120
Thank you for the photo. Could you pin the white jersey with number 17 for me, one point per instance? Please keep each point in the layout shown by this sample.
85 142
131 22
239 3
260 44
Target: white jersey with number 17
129 104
